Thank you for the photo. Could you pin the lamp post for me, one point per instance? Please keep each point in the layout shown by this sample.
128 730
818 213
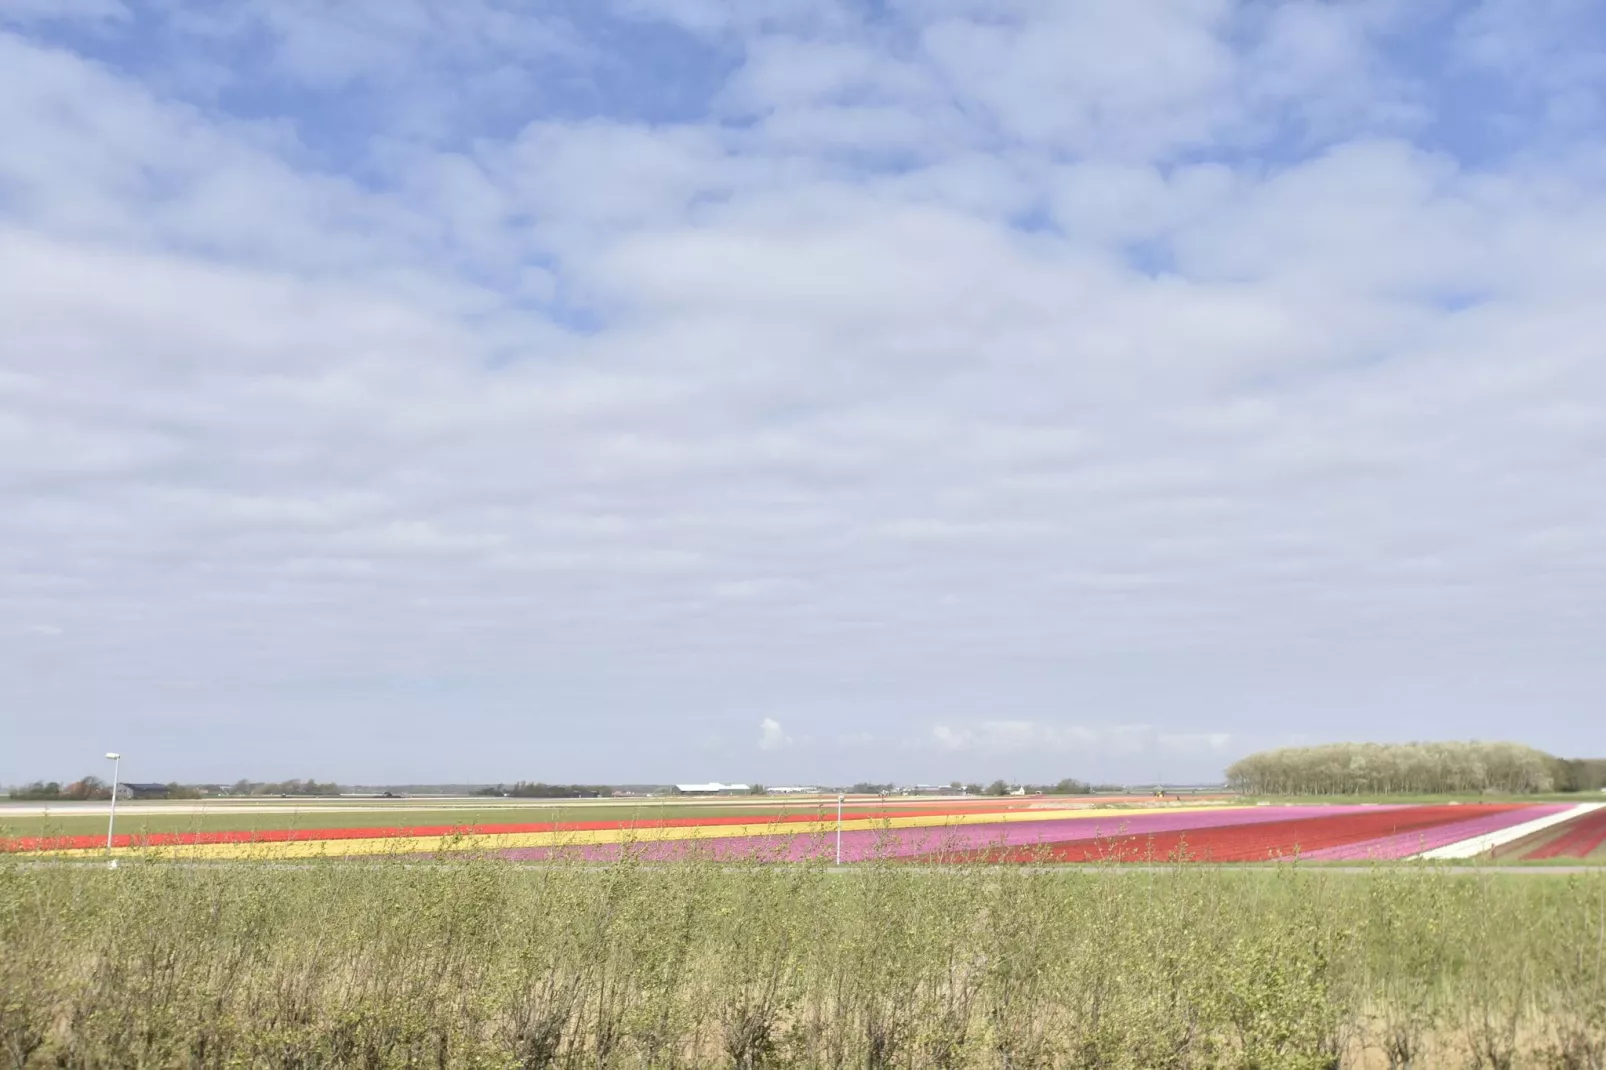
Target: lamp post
839 829
111 821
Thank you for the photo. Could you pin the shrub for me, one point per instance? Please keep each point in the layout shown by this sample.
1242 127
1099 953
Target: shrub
705 962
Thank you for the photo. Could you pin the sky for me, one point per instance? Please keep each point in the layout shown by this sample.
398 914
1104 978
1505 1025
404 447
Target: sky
796 390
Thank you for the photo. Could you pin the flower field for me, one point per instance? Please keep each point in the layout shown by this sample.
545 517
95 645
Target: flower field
936 831
1581 838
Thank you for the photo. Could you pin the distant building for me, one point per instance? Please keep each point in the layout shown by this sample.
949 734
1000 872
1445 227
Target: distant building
142 791
793 791
715 788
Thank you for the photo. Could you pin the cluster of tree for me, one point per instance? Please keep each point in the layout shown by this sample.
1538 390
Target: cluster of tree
90 787
1068 786
1580 774
284 787
1395 768
526 790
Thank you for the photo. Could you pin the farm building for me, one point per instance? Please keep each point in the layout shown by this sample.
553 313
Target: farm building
714 788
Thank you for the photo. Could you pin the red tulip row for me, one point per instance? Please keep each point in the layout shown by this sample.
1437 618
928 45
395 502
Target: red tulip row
1267 841
1579 839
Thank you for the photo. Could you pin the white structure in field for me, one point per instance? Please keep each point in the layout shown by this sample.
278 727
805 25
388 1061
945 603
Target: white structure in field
715 788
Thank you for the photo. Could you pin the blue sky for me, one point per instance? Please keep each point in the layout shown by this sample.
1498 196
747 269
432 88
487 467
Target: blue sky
796 391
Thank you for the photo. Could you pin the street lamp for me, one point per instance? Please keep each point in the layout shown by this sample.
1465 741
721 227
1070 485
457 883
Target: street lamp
839 829
111 821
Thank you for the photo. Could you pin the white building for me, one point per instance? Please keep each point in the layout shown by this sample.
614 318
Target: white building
714 788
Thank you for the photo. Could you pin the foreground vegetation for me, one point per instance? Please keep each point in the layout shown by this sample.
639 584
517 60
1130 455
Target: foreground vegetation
484 964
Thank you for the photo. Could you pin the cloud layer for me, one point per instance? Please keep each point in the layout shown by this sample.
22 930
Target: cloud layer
395 391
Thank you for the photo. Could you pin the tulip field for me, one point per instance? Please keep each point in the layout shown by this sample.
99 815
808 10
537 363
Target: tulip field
923 830
577 937
1581 837
469 962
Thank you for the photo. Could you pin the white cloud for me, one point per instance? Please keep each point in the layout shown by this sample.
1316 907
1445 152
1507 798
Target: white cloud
1070 82
86 11
721 17
771 736
1215 742
913 368
1047 749
1112 745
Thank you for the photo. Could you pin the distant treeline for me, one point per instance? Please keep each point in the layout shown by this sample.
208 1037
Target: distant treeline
87 789
1580 774
283 787
1411 769
526 790
1068 786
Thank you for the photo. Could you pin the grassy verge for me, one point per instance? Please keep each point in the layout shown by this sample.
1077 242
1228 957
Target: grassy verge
481 964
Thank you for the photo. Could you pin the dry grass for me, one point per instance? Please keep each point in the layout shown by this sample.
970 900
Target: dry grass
475 963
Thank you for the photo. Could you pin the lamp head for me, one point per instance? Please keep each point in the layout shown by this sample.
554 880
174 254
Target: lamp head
113 755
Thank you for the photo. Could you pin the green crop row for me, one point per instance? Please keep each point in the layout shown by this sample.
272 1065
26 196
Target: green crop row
480 963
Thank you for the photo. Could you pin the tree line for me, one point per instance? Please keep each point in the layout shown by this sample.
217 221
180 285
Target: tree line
284 787
537 790
1580 774
88 789
1068 786
91 788
1410 769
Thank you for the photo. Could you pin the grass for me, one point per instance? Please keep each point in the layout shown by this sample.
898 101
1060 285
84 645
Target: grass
481 964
